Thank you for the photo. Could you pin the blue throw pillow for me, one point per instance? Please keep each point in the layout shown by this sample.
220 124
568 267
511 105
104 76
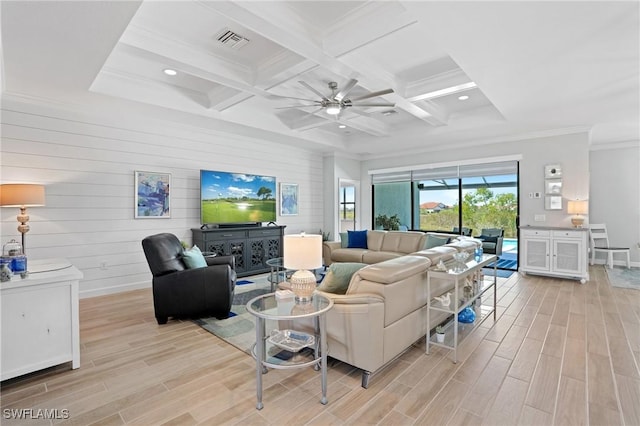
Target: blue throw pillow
357 239
338 277
194 258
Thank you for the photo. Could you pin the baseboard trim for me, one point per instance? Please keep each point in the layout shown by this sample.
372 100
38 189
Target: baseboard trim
113 289
616 262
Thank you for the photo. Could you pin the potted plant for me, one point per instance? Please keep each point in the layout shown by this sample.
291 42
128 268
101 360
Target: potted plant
325 235
440 334
389 223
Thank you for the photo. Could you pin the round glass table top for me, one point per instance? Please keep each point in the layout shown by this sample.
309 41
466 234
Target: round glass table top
276 261
270 307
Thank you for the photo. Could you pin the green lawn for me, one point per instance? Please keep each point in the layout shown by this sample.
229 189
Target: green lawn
222 211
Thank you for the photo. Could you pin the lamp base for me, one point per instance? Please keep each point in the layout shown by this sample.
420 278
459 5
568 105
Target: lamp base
577 221
303 284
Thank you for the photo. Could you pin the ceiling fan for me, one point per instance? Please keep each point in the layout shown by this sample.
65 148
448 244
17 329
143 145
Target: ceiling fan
337 101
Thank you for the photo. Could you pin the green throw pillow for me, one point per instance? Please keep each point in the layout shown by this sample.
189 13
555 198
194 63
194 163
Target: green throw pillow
194 258
434 241
344 240
338 277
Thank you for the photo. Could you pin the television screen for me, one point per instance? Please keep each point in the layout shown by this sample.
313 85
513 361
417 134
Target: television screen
236 198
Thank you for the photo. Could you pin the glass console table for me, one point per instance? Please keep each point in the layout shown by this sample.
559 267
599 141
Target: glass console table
464 273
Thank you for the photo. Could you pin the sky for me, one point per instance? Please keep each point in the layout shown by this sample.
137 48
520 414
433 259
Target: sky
223 184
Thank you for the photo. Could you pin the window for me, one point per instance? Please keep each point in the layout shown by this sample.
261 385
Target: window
347 207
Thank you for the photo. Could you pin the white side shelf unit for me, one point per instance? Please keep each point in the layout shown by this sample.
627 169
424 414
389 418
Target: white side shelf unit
40 325
556 252
455 331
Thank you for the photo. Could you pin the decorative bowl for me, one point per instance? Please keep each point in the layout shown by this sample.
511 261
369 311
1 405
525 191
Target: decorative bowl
461 256
467 315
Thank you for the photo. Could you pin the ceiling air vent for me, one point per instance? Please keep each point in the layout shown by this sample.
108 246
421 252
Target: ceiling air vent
232 40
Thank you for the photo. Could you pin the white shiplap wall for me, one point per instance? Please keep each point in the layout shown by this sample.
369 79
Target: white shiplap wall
87 163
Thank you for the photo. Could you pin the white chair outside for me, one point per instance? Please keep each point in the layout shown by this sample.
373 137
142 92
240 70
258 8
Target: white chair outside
600 243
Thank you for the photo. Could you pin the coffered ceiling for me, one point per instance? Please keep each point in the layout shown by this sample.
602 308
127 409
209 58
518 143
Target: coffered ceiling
525 68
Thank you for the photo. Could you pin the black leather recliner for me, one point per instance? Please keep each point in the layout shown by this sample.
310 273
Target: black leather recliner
182 292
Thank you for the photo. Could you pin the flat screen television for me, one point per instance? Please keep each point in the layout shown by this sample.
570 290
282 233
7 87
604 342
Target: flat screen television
236 198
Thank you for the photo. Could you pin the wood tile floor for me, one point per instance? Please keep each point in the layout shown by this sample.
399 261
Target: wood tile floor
560 353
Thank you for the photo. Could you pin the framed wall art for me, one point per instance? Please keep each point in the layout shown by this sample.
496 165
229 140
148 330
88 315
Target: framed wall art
288 199
152 195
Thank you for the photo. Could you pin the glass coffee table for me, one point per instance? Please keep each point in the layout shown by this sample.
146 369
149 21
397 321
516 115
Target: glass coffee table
286 349
278 272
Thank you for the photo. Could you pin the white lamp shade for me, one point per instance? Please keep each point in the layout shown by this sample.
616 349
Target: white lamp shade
577 207
302 251
21 195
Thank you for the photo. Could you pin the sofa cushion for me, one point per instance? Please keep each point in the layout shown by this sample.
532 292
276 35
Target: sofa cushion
394 270
375 239
357 239
434 241
338 277
436 254
194 258
344 239
347 255
466 244
370 257
402 241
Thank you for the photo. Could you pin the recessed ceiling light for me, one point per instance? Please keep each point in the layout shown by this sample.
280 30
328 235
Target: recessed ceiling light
342 126
169 71
463 97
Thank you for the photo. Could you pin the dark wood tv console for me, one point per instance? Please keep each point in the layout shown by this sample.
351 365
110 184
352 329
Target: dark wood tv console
251 246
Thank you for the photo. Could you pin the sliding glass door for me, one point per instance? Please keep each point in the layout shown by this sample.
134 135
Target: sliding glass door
466 199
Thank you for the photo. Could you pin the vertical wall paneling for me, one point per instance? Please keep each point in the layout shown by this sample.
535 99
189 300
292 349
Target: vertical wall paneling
87 164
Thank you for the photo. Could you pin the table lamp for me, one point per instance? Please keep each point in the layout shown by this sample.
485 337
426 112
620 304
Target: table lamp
578 208
303 252
22 195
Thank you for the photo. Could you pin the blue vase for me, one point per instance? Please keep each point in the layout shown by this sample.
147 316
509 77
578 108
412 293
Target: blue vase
467 315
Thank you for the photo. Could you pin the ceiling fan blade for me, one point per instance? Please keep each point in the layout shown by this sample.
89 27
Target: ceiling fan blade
387 104
346 89
373 95
271 96
298 106
313 90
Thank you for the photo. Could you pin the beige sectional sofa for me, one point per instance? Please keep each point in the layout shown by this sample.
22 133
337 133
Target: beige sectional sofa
385 245
384 309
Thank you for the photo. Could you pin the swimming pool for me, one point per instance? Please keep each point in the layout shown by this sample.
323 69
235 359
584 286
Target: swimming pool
510 244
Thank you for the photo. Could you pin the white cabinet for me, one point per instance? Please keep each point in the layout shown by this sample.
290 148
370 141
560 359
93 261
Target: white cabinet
558 252
40 326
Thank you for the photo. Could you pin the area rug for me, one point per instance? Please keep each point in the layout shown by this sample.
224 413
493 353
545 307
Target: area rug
239 329
624 277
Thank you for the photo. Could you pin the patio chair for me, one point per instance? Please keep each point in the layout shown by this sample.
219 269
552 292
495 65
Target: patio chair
600 243
465 231
492 239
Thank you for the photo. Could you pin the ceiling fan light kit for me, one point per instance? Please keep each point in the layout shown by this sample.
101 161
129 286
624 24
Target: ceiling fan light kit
333 108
